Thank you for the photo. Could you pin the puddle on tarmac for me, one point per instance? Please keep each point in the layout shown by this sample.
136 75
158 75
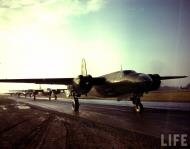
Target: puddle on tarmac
22 106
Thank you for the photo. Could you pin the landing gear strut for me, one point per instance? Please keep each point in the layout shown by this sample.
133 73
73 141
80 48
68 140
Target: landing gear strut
34 97
55 96
138 105
49 95
75 104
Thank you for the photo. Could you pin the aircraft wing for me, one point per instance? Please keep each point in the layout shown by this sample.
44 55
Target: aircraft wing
171 77
65 81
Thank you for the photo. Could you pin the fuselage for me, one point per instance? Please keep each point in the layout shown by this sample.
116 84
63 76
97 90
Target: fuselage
122 83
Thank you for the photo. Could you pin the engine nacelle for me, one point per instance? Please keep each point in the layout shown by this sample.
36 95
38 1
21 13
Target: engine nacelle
82 84
155 81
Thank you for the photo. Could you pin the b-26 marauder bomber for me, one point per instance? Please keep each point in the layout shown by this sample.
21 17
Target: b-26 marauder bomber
17 93
34 92
124 83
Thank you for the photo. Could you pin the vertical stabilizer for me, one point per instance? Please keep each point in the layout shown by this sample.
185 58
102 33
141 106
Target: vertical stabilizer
83 68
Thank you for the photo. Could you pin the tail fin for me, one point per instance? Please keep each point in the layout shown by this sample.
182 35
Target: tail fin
83 68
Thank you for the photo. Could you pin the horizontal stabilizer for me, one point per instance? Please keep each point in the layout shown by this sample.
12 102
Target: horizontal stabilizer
171 77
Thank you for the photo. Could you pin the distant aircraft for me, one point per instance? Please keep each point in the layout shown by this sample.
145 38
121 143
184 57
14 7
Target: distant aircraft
16 92
117 84
34 92
27 92
49 92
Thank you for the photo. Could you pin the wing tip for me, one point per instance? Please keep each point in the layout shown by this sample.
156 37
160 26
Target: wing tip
172 77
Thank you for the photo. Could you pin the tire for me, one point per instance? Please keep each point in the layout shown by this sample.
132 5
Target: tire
75 105
139 108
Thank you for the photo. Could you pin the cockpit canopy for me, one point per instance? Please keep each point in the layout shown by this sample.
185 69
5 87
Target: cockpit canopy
126 72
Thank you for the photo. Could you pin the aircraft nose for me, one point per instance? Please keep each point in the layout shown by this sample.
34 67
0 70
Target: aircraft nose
145 80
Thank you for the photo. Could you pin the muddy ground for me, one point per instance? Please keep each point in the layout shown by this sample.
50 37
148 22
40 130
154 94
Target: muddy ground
24 126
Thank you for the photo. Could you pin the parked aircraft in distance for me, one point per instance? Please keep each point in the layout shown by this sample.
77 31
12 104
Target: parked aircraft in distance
34 92
17 92
117 84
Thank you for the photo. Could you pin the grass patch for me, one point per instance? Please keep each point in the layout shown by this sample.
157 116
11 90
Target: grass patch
176 96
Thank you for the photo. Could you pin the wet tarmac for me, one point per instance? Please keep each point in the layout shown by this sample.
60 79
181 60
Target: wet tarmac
158 117
28 126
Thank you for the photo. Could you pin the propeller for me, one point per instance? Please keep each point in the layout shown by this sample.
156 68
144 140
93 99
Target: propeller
84 82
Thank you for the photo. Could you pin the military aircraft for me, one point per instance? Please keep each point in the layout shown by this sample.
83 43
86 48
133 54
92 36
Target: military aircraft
117 84
49 92
17 93
27 92
34 92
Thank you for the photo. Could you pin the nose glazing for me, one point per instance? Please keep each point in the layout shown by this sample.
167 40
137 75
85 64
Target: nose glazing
144 79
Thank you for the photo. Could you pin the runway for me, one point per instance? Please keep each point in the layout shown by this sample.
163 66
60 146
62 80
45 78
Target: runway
158 117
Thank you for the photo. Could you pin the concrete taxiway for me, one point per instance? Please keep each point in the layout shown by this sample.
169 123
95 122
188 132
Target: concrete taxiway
27 126
158 117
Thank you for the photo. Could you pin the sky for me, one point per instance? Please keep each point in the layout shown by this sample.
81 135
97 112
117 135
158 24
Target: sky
49 38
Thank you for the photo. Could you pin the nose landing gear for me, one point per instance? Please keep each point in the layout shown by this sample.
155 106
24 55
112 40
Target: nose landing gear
138 105
75 104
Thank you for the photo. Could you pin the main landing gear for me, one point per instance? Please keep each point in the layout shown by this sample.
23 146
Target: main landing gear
75 104
138 105
52 93
34 97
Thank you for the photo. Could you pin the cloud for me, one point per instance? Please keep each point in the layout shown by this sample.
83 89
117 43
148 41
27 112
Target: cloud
14 12
71 7
42 27
84 7
15 4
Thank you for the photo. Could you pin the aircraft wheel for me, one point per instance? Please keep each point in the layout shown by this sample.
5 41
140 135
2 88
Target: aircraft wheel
139 108
75 105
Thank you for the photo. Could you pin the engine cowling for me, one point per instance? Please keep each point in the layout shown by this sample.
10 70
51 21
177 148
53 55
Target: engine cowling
155 81
82 84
